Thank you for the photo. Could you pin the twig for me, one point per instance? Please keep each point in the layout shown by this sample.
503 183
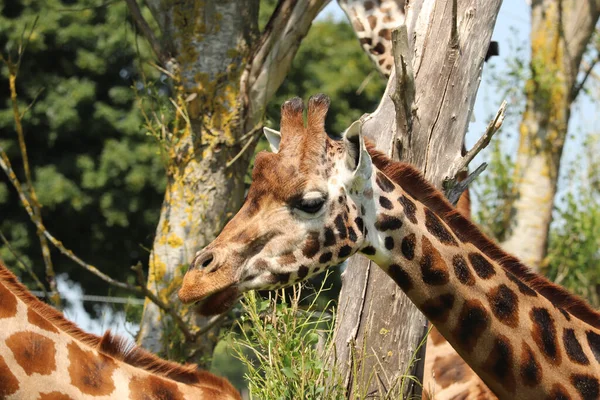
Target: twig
453 193
5 165
23 265
256 130
404 95
143 26
189 336
482 143
253 135
13 71
588 71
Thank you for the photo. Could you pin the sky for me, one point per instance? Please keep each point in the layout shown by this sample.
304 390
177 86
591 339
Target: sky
511 32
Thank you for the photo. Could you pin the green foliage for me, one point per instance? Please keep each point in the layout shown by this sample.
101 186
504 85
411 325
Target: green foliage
574 245
284 348
494 193
99 178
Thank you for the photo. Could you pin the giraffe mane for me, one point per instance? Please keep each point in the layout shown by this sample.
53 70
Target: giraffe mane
117 347
413 182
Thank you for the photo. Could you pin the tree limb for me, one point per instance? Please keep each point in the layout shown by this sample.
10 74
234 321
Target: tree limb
143 26
274 53
24 266
588 67
453 193
13 69
481 144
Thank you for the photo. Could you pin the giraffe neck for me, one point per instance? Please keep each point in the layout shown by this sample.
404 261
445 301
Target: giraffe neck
373 22
44 356
513 337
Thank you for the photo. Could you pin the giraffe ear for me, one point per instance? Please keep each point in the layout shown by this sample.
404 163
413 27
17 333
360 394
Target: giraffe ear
354 143
274 138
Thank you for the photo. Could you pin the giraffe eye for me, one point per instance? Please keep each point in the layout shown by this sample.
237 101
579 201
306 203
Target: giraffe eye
310 206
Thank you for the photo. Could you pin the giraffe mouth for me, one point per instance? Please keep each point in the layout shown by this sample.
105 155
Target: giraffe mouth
217 302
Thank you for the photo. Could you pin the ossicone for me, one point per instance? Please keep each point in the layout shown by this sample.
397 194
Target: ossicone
292 112
318 105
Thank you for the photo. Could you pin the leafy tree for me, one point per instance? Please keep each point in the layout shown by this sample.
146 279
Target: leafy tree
98 177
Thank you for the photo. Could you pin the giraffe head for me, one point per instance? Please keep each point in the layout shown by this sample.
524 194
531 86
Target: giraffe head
303 212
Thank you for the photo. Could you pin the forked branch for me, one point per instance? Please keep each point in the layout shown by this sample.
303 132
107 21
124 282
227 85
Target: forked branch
453 188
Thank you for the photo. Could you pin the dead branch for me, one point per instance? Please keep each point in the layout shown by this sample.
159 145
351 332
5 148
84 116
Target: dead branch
492 128
404 96
23 265
252 135
189 336
143 26
13 69
587 71
453 193
7 168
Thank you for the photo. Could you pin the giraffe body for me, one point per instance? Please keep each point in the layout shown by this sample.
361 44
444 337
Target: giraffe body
317 201
45 357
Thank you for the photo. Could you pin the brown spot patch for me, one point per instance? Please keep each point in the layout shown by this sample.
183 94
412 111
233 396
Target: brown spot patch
587 386
372 21
436 337
573 347
544 334
410 209
90 373
389 243
594 342
387 223
481 265
54 396
473 321
436 227
344 252
400 276
408 246
462 271
450 369
8 303
8 382
312 245
499 363
329 237
153 387
433 267
438 309
325 257
505 305
33 352
558 393
285 259
385 203
529 370
36 319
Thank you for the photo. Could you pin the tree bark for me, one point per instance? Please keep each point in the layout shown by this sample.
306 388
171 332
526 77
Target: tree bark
560 33
378 328
224 73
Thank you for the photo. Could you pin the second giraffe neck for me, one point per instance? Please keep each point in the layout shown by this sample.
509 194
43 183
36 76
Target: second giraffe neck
514 338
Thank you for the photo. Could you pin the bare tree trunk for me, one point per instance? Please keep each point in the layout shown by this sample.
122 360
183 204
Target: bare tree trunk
225 72
560 33
378 329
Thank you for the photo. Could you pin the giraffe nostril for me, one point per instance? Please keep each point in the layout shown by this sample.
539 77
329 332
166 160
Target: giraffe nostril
206 262
203 260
